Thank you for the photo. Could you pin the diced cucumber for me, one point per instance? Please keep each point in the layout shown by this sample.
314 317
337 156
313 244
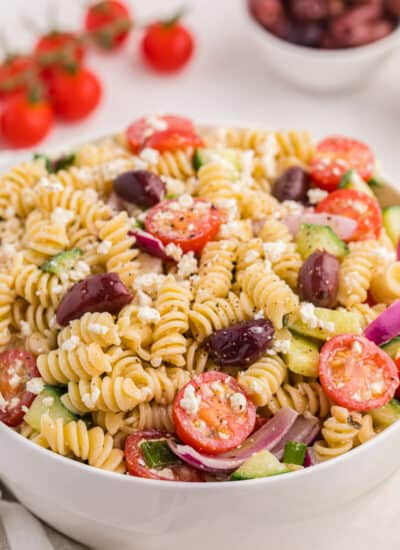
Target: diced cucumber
312 237
55 165
261 464
230 157
391 222
388 414
62 262
352 180
341 322
157 453
294 453
48 401
303 356
392 348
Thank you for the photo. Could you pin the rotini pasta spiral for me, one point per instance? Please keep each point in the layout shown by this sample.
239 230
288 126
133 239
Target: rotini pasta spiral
7 297
355 277
166 382
44 238
135 335
263 379
149 416
339 433
367 430
214 182
385 284
16 189
92 327
302 397
295 144
274 230
38 287
196 358
216 270
175 164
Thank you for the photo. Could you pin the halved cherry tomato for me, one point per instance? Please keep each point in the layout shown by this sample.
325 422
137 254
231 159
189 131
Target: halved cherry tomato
359 206
144 128
16 368
188 226
173 140
334 156
136 464
356 373
13 73
213 414
109 21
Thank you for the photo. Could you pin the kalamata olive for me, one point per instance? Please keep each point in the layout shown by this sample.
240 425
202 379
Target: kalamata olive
319 279
292 185
393 7
240 345
105 292
266 12
140 187
309 34
309 10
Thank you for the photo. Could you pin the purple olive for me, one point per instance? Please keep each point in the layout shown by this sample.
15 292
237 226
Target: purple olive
319 279
140 187
309 10
393 7
240 345
309 34
100 293
292 185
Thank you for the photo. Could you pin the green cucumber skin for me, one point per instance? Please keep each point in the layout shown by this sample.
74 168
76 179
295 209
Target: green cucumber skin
345 322
261 464
391 222
388 414
392 348
312 237
62 261
303 356
55 411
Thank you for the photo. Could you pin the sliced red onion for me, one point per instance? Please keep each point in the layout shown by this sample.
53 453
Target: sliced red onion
398 250
311 458
265 438
149 244
342 226
304 430
386 326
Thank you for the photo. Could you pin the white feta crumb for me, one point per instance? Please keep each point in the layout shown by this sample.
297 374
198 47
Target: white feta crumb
9 212
15 401
71 344
24 408
230 229
230 206
259 314
307 314
25 328
50 185
274 251
282 346
150 156
8 249
238 402
187 266
148 314
143 299
357 396
377 387
190 402
251 256
80 271
174 251
186 201
97 328
223 435
112 169
104 247
35 385
166 473
156 362
15 380
149 283
316 195
156 123
90 399
3 403
56 289
62 216
48 401
217 387
357 347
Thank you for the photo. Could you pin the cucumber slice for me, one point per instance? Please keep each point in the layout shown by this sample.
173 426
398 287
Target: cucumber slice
342 322
391 222
62 262
319 237
352 180
157 453
392 348
48 401
230 157
303 356
261 464
388 414
294 453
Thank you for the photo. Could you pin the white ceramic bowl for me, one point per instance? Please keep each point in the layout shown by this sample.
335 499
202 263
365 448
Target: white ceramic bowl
322 70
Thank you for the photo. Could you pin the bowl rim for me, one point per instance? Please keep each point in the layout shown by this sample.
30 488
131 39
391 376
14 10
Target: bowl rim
336 55
7 431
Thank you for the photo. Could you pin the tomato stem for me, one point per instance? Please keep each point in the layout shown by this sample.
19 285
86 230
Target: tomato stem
176 17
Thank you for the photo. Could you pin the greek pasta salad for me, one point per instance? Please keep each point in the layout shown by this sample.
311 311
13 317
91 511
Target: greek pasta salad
199 304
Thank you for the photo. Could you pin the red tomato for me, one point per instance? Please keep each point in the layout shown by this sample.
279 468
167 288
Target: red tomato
190 227
12 73
334 156
355 373
74 95
144 128
16 368
56 42
216 426
109 21
362 208
25 123
136 464
172 140
167 47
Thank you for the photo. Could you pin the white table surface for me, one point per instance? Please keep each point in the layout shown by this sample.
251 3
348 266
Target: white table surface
229 80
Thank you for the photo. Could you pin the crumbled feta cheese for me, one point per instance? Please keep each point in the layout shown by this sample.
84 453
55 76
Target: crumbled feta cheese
148 315
274 251
237 402
389 256
156 123
357 347
104 247
149 283
50 185
15 401
247 162
62 216
48 401
139 164
217 387
80 271
230 206
255 386
25 328
3 403
251 256
112 169
307 314
187 266
316 195
166 473
97 328
281 346
186 201
149 155
292 208
35 385
90 399
24 409
174 251
143 299
8 249
15 380
71 344
223 435
230 229
259 314
190 402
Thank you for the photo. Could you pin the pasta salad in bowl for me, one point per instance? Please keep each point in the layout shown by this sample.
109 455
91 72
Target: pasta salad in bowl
198 305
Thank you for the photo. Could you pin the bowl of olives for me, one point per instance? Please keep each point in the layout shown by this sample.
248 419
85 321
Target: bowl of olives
325 45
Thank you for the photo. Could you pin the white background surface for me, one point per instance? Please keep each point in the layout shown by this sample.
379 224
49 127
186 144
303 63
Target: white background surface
228 79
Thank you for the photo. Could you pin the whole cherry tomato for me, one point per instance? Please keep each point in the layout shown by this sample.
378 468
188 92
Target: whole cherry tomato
109 22
54 48
26 120
13 73
74 94
167 46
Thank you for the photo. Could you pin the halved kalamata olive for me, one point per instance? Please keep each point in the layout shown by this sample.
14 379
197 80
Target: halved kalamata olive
105 292
240 345
140 187
292 185
319 279
149 244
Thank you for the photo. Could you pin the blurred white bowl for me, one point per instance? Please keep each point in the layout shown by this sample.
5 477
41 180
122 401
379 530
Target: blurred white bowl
322 70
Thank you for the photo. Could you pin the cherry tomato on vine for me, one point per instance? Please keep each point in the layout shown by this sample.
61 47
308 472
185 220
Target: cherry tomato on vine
17 367
167 46
56 47
359 206
13 70
26 119
355 373
109 22
74 93
336 155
